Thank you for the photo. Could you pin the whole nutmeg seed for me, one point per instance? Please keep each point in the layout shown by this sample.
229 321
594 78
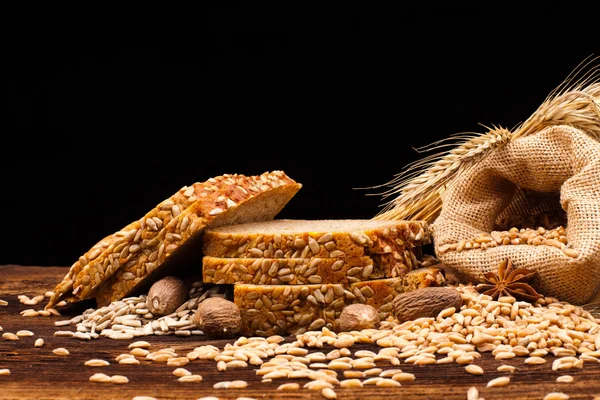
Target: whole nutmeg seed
166 295
218 318
356 317
425 302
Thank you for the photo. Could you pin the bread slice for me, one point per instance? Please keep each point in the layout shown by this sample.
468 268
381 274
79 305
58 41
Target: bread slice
116 249
294 271
178 245
294 309
331 238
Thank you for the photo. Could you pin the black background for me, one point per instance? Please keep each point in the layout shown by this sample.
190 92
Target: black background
106 122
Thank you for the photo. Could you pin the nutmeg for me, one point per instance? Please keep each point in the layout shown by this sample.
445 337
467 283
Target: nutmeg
218 318
425 302
356 317
166 295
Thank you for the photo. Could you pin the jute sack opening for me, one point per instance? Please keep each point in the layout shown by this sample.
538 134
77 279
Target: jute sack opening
548 165
558 159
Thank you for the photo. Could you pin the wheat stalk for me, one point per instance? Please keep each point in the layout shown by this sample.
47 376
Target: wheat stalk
419 189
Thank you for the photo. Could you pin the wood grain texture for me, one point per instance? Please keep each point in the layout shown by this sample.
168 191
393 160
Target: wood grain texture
36 373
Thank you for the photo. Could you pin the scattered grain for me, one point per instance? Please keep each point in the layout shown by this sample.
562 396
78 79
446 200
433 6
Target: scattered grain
10 336
4 371
474 369
556 396
24 333
472 393
190 378
96 362
328 393
61 351
119 379
100 378
288 386
39 342
500 381
564 379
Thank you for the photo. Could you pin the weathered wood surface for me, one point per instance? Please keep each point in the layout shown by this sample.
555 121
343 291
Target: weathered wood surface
36 373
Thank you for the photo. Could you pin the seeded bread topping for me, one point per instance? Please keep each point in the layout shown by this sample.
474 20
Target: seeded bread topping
294 309
294 271
314 238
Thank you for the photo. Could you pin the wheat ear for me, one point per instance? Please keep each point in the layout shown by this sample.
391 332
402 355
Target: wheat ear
418 189
576 102
420 193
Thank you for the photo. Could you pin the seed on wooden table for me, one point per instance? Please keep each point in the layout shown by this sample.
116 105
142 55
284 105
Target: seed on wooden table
63 334
403 377
10 336
534 360
3 302
556 396
497 382
354 374
472 393
119 379
387 382
318 384
238 384
100 378
181 372
190 378
506 368
129 361
328 393
564 379
141 344
474 369
24 333
221 385
61 351
139 352
30 313
177 361
4 371
96 362
39 342
288 386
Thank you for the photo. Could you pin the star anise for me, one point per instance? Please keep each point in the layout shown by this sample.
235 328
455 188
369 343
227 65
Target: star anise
509 282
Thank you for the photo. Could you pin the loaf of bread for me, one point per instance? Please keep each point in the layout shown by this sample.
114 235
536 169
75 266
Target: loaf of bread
139 252
294 271
294 309
287 238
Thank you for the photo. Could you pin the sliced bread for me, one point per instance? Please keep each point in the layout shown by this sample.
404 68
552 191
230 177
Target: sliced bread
331 238
293 271
178 245
294 309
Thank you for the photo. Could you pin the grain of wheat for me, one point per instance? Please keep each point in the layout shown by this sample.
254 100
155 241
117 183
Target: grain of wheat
96 362
10 336
3 302
474 369
119 379
500 381
4 372
99 378
564 379
24 333
556 396
39 342
472 393
61 351
190 378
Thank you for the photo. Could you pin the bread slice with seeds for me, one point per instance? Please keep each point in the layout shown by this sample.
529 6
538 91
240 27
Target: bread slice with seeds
329 238
294 271
144 239
179 244
294 309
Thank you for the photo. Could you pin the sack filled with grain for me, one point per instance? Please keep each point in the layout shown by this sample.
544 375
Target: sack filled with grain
531 195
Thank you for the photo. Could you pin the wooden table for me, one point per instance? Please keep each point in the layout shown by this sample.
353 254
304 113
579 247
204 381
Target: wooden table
36 373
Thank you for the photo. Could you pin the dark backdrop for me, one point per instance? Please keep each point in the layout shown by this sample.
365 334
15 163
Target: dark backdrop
109 122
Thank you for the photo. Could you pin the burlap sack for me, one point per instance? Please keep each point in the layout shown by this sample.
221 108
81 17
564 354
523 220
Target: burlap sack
557 168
